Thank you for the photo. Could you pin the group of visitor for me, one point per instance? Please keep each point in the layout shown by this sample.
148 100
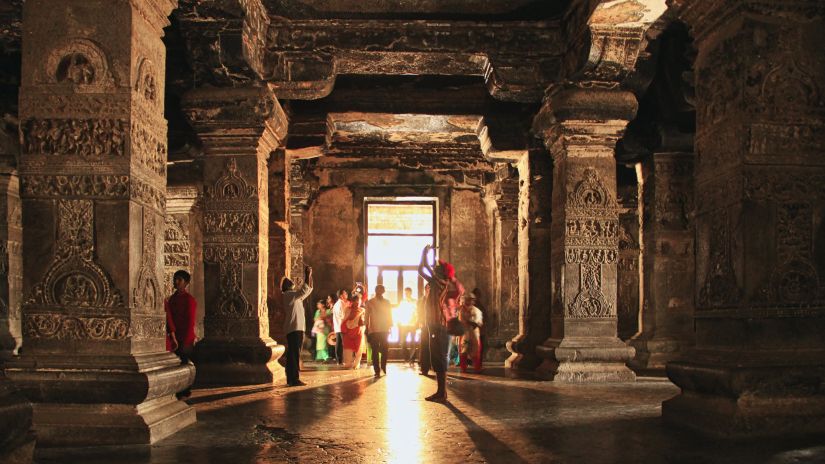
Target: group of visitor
445 316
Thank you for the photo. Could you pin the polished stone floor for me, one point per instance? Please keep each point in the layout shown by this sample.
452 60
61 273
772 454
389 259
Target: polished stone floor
350 417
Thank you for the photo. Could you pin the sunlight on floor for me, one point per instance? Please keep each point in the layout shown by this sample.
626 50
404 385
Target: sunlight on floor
403 415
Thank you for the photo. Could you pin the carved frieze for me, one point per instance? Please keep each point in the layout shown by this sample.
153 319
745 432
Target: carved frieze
74 279
146 328
148 149
231 223
89 186
62 327
87 138
147 194
238 253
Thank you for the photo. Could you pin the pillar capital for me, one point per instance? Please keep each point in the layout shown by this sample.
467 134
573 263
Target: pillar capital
584 121
236 121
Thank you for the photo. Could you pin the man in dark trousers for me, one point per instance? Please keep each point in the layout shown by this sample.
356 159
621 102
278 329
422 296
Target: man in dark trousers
295 324
181 309
379 322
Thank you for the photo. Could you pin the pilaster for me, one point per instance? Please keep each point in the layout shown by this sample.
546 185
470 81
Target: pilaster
183 244
239 129
760 293
92 182
580 126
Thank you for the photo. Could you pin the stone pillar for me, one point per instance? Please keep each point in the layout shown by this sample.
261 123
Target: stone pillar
759 362
16 441
93 186
667 208
280 258
535 188
580 127
11 263
503 311
183 244
628 289
239 128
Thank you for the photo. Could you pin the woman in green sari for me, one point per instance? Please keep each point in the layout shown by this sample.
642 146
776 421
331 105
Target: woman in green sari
320 328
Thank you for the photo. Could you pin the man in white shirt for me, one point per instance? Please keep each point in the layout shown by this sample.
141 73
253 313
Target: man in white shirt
295 324
337 318
379 322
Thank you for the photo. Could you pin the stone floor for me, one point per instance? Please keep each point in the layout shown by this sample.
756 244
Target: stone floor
350 417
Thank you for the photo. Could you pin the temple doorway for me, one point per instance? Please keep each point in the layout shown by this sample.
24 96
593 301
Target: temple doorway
397 229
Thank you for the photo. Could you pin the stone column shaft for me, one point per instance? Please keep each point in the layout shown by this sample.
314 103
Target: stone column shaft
535 179
667 205
580 128
760 248
93 176
280 256
239 128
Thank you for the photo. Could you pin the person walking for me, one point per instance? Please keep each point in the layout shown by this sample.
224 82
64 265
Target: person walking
338 313
295 324
379 322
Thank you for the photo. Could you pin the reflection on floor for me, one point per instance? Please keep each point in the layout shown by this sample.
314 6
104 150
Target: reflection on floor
351 417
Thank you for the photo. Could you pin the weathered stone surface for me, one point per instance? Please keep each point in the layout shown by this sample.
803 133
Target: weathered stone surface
93 172
759 295
239 128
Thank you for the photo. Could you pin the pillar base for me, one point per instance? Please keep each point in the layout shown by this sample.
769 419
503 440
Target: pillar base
119 400
17 441
523 355
739 401
585 360
653 354
238 362
58 425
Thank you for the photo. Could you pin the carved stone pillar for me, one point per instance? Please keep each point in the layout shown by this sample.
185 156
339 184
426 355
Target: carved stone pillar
93 186
580 127
183 244
667 205
759 362
280 258
11 263
535 188
239 128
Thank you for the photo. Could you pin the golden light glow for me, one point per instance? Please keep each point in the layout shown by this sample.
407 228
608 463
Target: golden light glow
403 416
400 218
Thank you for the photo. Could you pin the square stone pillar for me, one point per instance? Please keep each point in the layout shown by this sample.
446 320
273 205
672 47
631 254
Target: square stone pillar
535 188
758 366
93 187
183 244
239 129
580 127
667 316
